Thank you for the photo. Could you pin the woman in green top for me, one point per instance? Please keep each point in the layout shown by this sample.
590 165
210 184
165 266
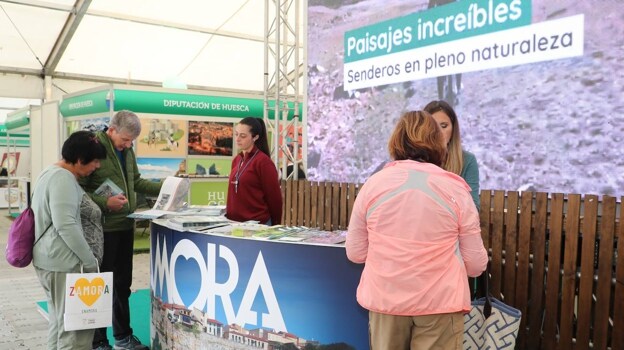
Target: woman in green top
458 160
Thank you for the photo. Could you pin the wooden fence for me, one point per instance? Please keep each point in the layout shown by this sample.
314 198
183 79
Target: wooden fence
555 257
326 205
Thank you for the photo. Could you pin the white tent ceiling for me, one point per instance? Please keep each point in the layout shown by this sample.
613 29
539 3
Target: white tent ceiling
212 44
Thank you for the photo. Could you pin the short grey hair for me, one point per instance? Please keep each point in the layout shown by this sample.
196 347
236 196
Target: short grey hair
127 122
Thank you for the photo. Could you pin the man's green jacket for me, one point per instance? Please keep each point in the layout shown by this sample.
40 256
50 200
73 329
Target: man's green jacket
110 168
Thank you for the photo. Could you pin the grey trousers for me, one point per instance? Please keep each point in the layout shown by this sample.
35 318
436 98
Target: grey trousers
53 284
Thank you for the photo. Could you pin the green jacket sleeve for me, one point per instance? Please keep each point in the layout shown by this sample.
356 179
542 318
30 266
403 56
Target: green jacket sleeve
129 181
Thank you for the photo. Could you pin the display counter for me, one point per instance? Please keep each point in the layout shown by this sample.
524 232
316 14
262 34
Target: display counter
214 291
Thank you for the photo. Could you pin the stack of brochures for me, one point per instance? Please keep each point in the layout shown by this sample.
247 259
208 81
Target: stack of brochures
252 229
323 237
194 223
278 232
247 229
210 210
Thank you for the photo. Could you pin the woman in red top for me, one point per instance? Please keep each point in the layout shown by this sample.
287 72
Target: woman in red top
254 189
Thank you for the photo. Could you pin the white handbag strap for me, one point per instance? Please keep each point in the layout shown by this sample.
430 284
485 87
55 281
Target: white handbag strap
97 263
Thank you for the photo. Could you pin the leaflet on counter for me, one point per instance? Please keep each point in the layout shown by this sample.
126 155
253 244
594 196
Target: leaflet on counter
185 223
150 214
172 197
173 194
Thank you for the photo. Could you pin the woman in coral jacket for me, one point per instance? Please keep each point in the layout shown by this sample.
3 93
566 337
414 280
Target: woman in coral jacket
254 190
416 228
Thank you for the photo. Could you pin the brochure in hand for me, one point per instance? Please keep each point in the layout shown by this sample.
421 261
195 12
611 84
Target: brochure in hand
108 189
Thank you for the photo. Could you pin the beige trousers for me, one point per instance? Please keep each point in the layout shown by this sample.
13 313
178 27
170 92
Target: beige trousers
429 332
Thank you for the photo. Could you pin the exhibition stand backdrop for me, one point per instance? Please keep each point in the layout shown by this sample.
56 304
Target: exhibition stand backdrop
182 133
14 181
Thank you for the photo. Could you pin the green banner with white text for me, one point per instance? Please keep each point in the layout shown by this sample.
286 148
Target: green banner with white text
90 103
188 104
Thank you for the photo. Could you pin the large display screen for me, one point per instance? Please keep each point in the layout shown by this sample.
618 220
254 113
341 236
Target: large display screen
538 87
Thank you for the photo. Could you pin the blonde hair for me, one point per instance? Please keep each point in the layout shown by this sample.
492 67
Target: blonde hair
417 136
455 159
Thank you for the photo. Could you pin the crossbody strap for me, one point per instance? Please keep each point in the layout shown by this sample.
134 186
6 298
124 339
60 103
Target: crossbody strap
47 228
42 234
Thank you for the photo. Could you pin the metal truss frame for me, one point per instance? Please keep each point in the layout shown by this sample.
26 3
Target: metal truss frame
282 96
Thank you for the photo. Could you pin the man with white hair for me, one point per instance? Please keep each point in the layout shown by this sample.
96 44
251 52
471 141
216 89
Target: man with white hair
120 167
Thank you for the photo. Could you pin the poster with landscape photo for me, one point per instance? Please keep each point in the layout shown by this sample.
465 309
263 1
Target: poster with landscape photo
90 124
210 138
159 168
215 166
